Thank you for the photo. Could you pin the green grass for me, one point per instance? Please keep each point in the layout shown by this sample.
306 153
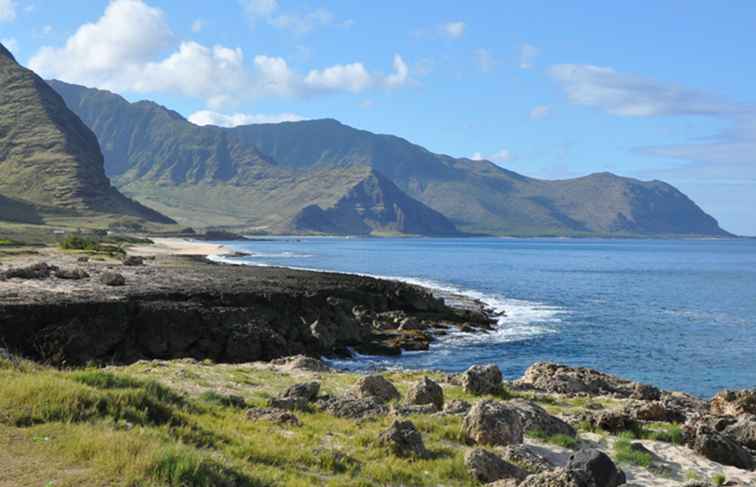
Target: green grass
624 453
565 441
666 432
718 479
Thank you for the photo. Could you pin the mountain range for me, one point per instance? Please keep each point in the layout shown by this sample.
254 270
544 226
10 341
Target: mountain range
312 175
61 145
50 162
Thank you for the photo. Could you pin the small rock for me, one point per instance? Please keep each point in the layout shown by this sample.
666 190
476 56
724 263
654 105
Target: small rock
483 379
535 418
403 439
301 362
615 421
487 467
274 415
307 391
597 466
112 279
83 259
289 403
557 478
426 391
72 274
349 407
375 386
133 260
526 458
412 409
35 271
492 423
457 407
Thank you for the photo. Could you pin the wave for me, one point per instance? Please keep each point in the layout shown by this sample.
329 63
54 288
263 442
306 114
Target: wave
517 319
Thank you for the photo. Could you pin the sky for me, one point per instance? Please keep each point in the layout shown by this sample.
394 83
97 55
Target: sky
651 90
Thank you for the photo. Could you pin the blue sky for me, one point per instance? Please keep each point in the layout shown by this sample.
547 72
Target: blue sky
654 90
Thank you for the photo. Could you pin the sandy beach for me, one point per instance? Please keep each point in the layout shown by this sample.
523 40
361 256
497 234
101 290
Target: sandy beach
178 246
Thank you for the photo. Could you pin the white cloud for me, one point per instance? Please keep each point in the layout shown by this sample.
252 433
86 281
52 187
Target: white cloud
400 75
348 77
629 95
11 44
539 112
528 55
499 157
127 35
121 52
485 60
297 22
453 30
207 117
7 10
198 25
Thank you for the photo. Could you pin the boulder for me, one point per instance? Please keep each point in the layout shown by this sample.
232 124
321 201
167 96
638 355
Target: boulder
743 431
426 391
524 456
456 407
561 379
377 387
40 270
596 466
487 467
301 362
483 379
557 478
307 391
71 274
403 439
721 449
656 411
349 407
133 260
112 279
274 415
492 423
289 403
535 418
734 403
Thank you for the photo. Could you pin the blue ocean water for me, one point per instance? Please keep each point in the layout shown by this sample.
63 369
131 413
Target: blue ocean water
678 314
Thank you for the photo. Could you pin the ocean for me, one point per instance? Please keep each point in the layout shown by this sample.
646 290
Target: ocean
679 314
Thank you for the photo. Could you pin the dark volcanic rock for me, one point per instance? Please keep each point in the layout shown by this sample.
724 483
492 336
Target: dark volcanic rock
185 307
133 260
35 271
426 391
349 407
535 418
720 448
483 379
403 439
597 466
274 415
72 274
113 279
487 467
377 387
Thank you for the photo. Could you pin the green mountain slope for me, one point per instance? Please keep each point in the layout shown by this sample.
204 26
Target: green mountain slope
476 196
50 162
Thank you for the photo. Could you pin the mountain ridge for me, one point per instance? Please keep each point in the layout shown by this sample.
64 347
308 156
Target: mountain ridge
50 161
478 197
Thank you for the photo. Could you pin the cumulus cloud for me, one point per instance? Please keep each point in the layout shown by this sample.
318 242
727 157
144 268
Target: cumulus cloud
298 22
7 10
528 55
539 112
629 95
453 30
121 52
485 60
208 117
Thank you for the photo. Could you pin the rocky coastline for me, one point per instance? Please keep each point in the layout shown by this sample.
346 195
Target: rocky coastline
73 310
243 343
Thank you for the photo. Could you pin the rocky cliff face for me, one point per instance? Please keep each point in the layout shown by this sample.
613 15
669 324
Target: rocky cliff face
374 205
476 196
48 157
